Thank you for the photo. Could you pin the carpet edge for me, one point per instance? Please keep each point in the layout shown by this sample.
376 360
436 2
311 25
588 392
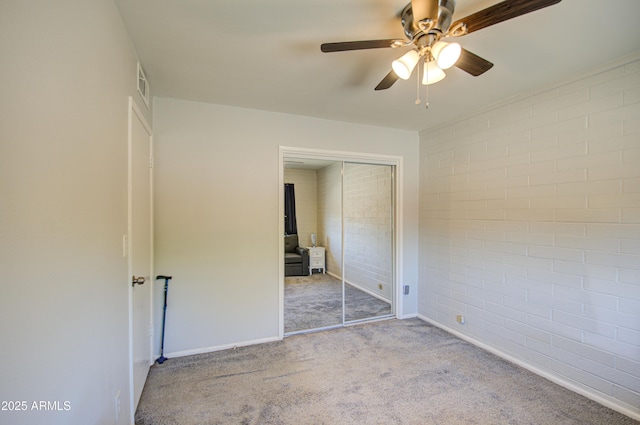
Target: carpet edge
556 379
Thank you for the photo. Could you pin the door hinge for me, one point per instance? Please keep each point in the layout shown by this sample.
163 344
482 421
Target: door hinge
150 162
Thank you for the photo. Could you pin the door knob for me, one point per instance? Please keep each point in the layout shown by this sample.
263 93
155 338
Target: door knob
137 281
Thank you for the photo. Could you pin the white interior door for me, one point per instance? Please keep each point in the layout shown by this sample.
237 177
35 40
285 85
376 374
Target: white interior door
140 251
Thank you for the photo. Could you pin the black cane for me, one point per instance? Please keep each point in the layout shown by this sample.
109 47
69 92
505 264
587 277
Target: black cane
162 358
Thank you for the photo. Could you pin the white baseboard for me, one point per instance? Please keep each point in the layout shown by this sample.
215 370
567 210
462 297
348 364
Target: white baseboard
334 275
212 349
368 291
610 403
365 290
219 347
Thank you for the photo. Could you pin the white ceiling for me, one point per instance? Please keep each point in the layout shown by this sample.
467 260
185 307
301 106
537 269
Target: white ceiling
265 54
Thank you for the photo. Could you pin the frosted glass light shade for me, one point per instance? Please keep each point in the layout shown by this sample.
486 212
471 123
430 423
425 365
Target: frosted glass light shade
446 54
432 73
403 67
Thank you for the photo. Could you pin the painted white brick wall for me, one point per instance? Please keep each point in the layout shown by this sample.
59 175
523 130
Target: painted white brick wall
330 216
305 188
530 228
368 228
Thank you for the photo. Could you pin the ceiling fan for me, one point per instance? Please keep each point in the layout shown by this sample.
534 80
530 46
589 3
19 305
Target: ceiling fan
427 23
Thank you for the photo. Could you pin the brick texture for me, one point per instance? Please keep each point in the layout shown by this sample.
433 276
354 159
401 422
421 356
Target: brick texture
368 224
530 228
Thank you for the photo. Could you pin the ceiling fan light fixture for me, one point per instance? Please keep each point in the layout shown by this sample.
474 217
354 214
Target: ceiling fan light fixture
432 73
446 54
403 66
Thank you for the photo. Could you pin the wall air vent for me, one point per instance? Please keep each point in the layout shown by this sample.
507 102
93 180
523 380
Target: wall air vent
143 85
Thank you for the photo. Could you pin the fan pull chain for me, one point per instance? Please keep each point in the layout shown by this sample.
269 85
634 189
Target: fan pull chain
426 86
426 92
418 101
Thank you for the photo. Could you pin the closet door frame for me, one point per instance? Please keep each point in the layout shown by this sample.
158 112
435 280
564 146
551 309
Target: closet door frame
368 158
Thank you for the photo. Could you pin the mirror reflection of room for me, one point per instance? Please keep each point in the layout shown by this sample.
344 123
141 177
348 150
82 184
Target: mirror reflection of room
314 294
368 240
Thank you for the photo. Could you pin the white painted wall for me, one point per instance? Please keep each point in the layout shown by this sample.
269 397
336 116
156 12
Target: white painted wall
306 192
67 71
330 216
217 229
368 228
530 228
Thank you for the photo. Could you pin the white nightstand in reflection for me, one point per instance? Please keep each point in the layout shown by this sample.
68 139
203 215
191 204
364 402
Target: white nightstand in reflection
316 258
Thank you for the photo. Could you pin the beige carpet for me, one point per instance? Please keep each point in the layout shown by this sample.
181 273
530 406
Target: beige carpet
389 372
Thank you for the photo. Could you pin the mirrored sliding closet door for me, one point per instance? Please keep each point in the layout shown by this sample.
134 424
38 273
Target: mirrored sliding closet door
339 243
368 241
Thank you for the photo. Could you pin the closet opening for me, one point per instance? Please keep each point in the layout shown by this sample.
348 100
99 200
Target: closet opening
340 268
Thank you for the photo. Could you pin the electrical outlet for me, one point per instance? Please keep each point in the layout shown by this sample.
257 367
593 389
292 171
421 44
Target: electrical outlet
406 289
117 402
460 319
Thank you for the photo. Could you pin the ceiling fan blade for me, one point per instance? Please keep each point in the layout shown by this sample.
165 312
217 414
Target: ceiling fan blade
502 11
472 63
423 9
387 81
355 45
